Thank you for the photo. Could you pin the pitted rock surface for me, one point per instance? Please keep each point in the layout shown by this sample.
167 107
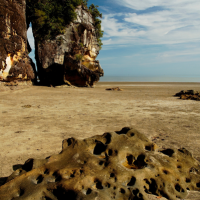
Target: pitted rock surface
188 95
116 165
57 60
14 61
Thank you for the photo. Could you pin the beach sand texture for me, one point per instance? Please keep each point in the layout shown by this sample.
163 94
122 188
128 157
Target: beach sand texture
35 120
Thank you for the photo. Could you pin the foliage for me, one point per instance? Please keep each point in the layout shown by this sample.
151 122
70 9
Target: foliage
50 17
78 57
97 22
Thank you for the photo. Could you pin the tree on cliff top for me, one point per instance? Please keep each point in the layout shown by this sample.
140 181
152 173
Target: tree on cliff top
50 17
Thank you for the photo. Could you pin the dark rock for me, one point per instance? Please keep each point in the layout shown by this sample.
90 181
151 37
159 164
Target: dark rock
118 165
188 95
14 61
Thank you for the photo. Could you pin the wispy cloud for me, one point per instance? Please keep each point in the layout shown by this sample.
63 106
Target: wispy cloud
177 22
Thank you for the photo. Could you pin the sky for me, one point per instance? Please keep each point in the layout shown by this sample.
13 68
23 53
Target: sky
149 38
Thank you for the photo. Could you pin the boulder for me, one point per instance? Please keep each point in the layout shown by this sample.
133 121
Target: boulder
188 95
117 165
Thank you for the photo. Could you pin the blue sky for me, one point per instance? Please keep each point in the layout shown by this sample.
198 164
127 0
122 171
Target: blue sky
149 37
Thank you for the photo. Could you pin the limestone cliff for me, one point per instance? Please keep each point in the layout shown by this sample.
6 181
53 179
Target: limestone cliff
14 60
70 56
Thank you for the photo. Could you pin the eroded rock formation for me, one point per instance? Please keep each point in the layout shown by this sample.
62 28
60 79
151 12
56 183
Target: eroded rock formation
14 61
188 95
116 165
71 56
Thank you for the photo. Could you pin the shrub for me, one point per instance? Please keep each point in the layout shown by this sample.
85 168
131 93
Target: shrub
50 17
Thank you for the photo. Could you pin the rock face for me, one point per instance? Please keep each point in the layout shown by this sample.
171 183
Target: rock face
71 56
189 95
14 61
117 165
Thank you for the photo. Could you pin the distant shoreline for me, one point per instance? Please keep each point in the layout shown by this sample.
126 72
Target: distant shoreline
134 79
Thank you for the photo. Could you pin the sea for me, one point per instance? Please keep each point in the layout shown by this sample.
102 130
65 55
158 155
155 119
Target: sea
148 79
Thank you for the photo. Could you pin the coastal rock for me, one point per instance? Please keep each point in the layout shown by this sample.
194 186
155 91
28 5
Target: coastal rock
71 56
188 95
115 89
116 165
14 61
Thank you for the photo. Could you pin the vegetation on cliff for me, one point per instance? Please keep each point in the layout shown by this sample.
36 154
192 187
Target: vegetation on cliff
52 16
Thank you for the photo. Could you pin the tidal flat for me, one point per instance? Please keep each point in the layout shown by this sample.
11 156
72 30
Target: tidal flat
35 119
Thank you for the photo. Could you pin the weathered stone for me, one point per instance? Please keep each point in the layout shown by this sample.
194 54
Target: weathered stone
117 165
14 61
188 95
115 89
71 56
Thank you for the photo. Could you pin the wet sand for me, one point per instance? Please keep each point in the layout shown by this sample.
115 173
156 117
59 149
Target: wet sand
35 120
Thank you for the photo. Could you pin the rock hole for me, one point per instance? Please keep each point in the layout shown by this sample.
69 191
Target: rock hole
106 164
132 181
112 175
123 131
165 171
130 159
168 152
132 134
101 163
122 191
152 186
108 138
198 185
149 148
28 165
46 171
61 194
72 175
178 188
135 192
163 194
47 198
140 163
69 141
21 192
107 185
39 179
188 188
57 176
81 171
114 188
89 191
98 184
99 148
178 166
116 152
110 152
187 180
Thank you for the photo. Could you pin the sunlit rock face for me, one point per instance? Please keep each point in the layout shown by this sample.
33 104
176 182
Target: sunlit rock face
71 56
14 60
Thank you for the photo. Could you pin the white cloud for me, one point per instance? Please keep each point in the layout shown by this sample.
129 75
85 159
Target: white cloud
177 22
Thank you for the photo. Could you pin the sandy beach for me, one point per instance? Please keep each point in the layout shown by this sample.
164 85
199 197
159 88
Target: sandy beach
35 119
